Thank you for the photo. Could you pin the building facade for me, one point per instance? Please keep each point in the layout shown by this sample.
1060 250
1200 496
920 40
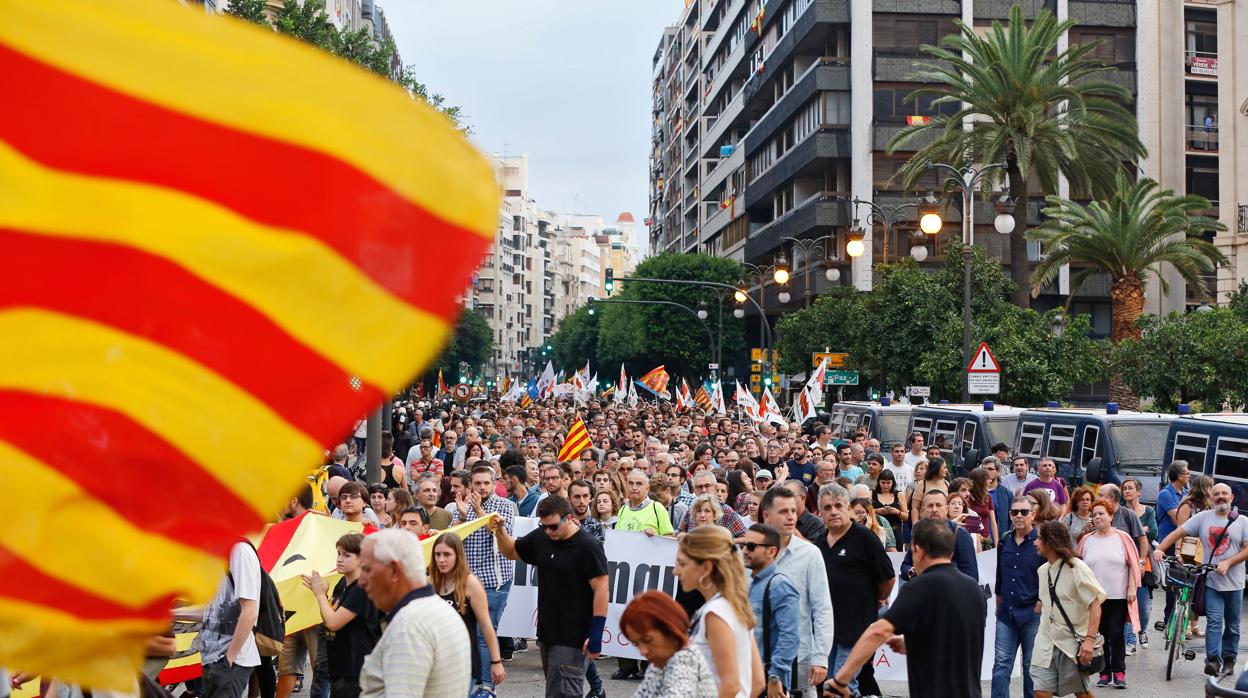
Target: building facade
771 116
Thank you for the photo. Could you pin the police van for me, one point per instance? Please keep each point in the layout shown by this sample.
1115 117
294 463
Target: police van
1213 444
964 433
1104 444
884 420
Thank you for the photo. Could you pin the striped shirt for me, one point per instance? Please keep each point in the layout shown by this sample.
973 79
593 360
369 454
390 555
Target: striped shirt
422 652
484 560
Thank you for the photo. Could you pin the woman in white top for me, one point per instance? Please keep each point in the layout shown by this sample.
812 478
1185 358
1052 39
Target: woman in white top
1114 559
722 629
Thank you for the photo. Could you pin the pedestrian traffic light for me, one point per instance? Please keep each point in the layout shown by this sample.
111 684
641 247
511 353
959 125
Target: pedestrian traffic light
609 282
767 379
590 305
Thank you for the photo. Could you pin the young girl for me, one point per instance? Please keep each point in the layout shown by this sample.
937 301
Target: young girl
455 584
353 622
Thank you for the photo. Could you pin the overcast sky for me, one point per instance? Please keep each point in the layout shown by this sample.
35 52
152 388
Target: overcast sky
565 81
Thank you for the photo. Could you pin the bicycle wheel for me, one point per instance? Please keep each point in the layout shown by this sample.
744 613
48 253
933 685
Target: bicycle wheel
1177 633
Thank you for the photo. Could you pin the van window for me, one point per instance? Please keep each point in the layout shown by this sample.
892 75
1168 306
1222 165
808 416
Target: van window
1030 439
945 435
1191 448
850 424
923 425
1061 442
1139 444
1230 461
1091 443
968 437
835 421
866 422
1000 431
892 428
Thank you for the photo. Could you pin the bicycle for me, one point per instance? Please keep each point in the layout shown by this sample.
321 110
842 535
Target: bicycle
1181 577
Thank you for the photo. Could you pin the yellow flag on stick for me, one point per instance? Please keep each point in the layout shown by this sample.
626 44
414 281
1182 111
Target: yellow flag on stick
221 242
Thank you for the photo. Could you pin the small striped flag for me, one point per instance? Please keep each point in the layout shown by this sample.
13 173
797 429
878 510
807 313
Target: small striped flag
703 399
201 220
656 380
576 441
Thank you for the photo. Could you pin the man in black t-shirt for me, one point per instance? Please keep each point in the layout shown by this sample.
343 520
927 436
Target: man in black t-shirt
571 591
937 621
860 577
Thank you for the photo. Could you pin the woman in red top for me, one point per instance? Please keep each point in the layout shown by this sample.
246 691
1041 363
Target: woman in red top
981 503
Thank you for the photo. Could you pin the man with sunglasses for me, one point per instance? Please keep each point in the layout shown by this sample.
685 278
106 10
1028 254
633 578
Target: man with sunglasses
571 592
775 601
1018 594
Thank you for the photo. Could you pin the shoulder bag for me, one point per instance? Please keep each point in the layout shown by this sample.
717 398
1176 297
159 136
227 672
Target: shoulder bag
1097 665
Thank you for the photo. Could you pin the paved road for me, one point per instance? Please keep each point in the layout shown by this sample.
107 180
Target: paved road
1146 673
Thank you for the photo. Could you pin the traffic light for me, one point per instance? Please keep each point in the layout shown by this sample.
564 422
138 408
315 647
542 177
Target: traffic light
590 305
609 283
767 379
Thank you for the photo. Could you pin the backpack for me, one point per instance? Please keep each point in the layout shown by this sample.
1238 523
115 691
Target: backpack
270 630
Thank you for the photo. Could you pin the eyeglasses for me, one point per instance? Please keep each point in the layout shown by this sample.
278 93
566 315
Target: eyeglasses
1019 512
555 526
752 546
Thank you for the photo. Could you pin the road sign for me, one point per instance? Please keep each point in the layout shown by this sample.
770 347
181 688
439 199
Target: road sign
983 383
836 359
712 367
756 354
756 368
920 391
461 392
984 361
756 383
840 378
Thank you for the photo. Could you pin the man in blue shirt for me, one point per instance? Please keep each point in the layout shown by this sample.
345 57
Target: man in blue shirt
1167 518
1018 592
777 628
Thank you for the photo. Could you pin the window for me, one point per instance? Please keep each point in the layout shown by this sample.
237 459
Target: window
892 105
1113 47
945 435
1091 443
901 35
1230 461
923 425
968 437
1031 438
1061 442
850 424
866 422
1191 448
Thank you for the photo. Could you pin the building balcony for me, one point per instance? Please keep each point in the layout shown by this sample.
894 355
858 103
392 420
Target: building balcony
723 168
800 37
899 64
719 124
1201 140
821 212
824 75
812 153
1102 13
1000 9
882 133
925 7
722 27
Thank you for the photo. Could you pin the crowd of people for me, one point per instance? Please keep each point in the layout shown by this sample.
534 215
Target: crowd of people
782 561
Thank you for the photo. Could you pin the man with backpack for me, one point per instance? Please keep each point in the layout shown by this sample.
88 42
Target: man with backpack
226 644
775 603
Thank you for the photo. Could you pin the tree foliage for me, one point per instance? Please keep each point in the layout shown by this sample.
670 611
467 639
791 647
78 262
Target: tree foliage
644 336
472 342
908 331
576 339
1032 107
308 22
1199 357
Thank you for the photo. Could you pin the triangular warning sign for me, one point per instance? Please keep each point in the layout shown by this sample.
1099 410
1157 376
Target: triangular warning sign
984 361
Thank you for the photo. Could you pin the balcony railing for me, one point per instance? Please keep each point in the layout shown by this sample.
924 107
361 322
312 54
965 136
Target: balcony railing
1201 138
1201 63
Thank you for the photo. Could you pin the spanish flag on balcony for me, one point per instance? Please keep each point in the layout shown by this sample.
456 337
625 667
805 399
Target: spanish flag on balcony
218 241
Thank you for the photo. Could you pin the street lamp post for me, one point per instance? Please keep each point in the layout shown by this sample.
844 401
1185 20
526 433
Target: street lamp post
809 247
967 180
778 273
886 215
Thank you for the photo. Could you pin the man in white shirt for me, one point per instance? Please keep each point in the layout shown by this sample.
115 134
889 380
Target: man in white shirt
226 644
902 470
1020 476
916 453
424 648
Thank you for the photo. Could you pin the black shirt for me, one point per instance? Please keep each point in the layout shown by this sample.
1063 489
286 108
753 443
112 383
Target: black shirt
811 526
941 613
565 601
353 641
856 566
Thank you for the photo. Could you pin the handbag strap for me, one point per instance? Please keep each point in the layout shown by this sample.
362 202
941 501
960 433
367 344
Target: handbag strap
1058 603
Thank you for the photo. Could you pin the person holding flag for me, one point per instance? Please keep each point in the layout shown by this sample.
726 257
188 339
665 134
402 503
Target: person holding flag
575 442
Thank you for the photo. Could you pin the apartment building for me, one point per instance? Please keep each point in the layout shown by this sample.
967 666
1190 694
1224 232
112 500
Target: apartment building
796 100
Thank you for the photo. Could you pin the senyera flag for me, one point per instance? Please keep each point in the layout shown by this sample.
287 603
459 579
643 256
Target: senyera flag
576 441
219 242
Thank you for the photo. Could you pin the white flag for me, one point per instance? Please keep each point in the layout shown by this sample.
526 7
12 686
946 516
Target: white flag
771 409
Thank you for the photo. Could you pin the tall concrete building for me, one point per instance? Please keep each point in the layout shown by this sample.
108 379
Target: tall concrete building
769 117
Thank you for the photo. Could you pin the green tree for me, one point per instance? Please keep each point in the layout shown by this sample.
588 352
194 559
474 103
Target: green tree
827 325
576 339
644 336
1131 233
249 10
472 342
1193 357
1032 107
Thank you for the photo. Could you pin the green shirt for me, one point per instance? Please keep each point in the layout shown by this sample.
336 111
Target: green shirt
650 515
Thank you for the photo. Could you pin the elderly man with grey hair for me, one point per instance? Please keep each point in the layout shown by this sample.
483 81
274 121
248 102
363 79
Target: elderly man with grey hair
859 570
424 650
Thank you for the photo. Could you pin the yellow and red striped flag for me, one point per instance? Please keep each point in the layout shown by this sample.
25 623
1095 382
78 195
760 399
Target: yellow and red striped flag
703 400
576 441
656 380
201 221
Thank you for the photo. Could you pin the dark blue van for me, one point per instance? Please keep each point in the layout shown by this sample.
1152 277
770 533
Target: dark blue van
965 433
884 420
1213 444
1128 443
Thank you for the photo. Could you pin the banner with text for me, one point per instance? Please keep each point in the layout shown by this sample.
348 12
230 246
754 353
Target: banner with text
636 563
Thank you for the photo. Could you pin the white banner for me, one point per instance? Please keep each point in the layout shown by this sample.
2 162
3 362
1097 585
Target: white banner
636 563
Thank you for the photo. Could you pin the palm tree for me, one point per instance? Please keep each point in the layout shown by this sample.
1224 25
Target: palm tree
1037 110
1132 232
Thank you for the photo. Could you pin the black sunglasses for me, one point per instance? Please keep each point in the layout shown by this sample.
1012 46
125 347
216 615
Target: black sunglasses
554 526
753 546
1019 512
